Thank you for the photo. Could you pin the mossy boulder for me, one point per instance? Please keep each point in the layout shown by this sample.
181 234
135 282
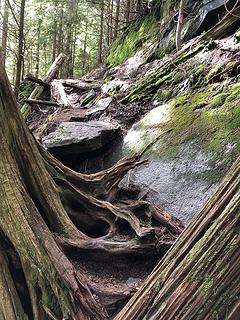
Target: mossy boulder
189 149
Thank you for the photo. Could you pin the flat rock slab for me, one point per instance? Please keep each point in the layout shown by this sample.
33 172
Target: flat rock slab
81 137
101 105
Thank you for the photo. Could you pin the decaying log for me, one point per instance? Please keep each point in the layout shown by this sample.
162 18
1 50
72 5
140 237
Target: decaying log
58 89
51 74
199 278
58 93
230 48
44 102
31 78
222 28
79 84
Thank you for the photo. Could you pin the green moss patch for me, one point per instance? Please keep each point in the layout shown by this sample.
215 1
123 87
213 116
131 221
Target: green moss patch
213 129
138 34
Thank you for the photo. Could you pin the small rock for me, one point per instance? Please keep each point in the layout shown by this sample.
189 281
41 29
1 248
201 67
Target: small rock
101 105
87 98
132 282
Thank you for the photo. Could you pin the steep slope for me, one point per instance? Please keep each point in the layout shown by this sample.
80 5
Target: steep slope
191 136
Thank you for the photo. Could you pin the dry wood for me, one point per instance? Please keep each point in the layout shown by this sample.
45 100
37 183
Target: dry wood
79 84
51 74
44 102
36 80
58 93
180 26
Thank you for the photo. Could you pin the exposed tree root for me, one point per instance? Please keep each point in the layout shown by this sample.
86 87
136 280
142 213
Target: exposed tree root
53 217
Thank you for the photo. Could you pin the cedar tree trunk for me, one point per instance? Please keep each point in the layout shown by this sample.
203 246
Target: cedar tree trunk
199 278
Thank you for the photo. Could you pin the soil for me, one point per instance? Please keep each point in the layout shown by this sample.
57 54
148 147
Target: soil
120 278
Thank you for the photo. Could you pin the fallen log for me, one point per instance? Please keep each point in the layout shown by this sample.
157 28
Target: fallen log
58 93
79 84
44 102
51 74
31 78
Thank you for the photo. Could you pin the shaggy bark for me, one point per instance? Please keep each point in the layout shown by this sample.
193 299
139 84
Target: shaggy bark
47 212
199 278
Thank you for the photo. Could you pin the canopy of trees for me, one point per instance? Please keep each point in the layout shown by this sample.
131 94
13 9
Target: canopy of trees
33 33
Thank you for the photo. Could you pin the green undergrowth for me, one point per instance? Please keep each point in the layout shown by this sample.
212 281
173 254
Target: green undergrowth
138 34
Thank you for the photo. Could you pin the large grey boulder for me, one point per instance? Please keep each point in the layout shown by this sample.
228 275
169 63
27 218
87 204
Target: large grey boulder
187 159
81 137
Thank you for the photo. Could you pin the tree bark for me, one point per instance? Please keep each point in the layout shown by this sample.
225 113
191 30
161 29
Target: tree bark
199 278
84 58
101 35
27 216
117 18
55 31
38 48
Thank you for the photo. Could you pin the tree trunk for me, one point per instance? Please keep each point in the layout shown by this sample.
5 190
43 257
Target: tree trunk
4 31
46 215
127 11
101 35
55 29
38 47
117 18
20 55
84 59
199 278
180 26
27 215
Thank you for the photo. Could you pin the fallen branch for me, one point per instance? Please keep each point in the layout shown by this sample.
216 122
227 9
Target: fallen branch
36 80
78 84
46 103
51 74
58 93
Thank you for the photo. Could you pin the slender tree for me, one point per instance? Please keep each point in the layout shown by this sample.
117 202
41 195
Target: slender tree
55 30
5 31
117 18
101 35
39 26
20 54
180 26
